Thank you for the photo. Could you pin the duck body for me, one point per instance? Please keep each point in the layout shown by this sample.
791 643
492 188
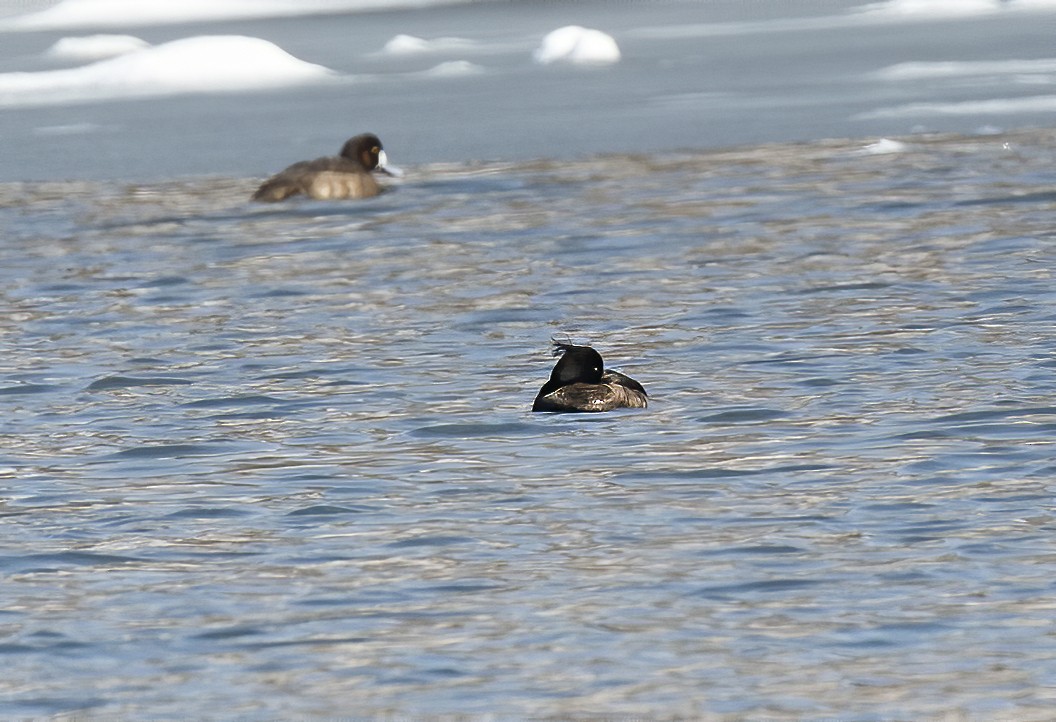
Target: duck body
579 383
348 175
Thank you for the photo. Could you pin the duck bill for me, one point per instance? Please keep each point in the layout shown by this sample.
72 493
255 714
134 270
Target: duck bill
384 167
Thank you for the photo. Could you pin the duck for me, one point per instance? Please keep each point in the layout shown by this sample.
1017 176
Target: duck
348 175
580 383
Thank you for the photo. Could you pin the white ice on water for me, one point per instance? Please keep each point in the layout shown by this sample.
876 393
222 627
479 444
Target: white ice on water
453 69
884 146
925 70
94 47
930 9
202 64
412 45
575 44
982 108
68 14
126 13
985 73
942 8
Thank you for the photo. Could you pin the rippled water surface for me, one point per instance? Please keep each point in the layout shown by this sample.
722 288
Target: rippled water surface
277 461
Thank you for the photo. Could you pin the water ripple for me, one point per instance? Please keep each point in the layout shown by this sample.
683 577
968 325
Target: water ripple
251 450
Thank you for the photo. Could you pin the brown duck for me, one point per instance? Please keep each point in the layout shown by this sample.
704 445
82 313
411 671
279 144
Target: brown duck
348 175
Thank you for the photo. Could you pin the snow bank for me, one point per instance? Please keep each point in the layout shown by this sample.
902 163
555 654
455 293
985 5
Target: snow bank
573 44
203 64
94 47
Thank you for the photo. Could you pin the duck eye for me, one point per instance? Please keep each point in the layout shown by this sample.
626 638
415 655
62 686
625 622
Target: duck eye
375 150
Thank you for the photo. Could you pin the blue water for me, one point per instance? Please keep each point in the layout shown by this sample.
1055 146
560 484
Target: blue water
278 461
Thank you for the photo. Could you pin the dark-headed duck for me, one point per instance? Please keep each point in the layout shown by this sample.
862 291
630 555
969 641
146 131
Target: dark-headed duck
579 382
345 176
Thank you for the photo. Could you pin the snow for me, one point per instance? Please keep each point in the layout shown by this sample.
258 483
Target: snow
71 14
575 44
938 9
405 45
993 106
932 8
125 13
201 64
411 45
94 47
453 69
955 68
884 146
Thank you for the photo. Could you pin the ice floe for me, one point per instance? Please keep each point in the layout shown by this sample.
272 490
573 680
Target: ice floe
884 146
94 47
125 13
411 45
201 64
453 69
992 106
575 44
926 70
925 10
880 12
932 8
406 45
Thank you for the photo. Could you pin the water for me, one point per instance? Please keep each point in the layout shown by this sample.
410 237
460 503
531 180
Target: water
277 462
